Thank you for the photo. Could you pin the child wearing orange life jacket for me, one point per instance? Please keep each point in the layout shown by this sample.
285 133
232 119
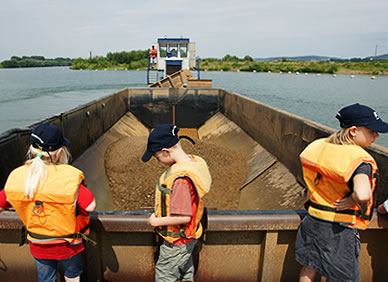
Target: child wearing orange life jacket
50 198
339 175
178 203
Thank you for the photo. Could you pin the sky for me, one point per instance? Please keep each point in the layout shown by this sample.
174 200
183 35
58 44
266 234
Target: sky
260 29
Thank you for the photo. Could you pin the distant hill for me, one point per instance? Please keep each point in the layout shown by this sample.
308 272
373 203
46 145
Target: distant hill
319 58
381 57
300 58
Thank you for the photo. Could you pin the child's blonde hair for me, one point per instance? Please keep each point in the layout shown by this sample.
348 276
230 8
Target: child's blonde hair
37 160
342 137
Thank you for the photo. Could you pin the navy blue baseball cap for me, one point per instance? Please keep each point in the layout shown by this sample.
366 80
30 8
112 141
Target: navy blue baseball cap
48 137
163 136
361 115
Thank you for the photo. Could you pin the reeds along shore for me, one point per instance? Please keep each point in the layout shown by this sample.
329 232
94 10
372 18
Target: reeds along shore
137 60
369 67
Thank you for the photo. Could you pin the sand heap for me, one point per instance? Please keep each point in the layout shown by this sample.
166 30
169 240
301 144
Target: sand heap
132 182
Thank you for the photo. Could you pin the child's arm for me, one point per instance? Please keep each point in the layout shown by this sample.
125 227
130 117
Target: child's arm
3 201
361 193
382 209
91 207
168 220
85 200
180 205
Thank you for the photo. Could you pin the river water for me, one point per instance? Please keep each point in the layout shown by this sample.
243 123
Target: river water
28 95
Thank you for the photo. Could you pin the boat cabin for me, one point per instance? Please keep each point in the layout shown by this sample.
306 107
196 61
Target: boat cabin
173 54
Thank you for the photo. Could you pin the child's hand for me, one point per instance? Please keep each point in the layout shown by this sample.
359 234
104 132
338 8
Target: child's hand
345 203
381 209
152 220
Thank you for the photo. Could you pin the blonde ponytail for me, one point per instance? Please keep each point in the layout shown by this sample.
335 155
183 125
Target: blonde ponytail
37 171
342 137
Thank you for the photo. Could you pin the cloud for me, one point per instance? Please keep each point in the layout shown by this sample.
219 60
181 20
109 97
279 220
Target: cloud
258 28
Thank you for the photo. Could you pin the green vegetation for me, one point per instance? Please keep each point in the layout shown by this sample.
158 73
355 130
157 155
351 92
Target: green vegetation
232 63
137 59
121 60
362 67
34 61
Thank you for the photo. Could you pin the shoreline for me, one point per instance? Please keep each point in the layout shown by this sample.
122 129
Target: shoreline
343 71
360 72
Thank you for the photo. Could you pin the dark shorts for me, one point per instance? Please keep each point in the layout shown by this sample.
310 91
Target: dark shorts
330 248
47 268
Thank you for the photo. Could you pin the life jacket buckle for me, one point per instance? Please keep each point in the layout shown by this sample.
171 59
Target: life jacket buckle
317 179
38 208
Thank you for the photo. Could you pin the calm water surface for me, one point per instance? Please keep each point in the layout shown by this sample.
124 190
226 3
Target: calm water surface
28 95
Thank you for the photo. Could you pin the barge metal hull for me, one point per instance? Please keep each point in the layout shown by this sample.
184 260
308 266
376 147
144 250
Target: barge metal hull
248 244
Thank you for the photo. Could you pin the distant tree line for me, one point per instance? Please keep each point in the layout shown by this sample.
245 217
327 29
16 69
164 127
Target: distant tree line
367 59
35 61
136 59
354 65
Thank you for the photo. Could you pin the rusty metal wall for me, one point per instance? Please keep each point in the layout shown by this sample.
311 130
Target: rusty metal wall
13 148
82 125
92 161
184 107
237 246
285 135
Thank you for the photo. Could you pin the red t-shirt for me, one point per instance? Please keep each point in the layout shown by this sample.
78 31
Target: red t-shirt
183 201
62 250
153 53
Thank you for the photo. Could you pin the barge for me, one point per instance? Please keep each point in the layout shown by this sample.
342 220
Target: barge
253 242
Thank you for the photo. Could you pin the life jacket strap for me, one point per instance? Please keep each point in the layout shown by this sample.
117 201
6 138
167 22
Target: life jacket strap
23 235
361 213
177 234
181 234
163 188
76 235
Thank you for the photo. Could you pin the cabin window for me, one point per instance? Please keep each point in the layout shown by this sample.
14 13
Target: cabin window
163 51
183 51
173 49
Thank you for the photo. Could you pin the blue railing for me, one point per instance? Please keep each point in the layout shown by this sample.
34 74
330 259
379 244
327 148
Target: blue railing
153 75
197 68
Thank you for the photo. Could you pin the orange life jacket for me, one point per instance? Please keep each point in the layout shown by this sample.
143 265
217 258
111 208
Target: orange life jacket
198 172
327 168
50 217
